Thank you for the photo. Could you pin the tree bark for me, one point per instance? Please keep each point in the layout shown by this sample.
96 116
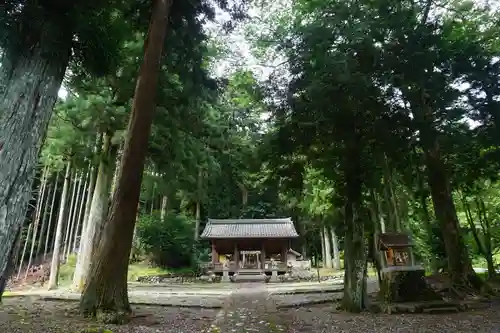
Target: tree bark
12 263
106 288
355 253
98 211
29 82
56 253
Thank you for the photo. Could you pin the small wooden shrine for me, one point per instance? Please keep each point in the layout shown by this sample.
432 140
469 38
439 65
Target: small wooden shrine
402 279
395 250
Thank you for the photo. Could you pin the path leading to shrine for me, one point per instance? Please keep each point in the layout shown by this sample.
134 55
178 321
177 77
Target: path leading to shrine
214 295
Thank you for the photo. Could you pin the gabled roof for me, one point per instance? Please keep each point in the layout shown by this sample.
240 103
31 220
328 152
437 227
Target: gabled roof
250 228
393 240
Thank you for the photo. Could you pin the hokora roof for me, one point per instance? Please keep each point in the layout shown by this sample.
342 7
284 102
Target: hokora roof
250 228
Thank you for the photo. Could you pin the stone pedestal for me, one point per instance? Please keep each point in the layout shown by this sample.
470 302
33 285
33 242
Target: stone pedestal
405 284
225 275
274 275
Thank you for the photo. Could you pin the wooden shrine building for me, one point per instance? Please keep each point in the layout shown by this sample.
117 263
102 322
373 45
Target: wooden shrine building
249 244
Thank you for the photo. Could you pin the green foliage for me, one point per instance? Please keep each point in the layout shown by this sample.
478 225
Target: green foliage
170 242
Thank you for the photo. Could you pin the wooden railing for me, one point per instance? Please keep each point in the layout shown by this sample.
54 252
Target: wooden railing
233 267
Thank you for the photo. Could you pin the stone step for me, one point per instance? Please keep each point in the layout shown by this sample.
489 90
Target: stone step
250 272
436 310
249 278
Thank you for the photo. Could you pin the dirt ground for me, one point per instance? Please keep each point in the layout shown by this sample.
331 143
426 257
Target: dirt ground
25 315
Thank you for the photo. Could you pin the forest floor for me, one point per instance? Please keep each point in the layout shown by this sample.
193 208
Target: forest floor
35 316
245 308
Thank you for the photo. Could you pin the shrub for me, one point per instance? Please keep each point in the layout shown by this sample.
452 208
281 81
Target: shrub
169 242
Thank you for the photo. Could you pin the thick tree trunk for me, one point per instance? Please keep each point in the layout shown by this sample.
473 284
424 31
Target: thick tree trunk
327 261
77 279
336 253
355 249
49 225
106 288
459 264
29 83
12 263
56 253
98 211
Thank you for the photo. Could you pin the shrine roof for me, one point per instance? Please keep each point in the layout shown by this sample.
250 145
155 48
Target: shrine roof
249 228
394 240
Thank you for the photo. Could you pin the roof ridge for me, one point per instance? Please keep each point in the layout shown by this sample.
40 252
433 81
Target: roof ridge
251 221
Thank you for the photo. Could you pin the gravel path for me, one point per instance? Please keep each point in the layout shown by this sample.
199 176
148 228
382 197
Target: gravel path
249 309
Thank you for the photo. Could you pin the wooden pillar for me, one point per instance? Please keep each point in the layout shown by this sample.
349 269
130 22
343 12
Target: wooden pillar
215 255
236 255
284 252
263 256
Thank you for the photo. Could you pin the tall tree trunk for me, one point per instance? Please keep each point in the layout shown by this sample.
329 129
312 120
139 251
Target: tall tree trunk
459 264
77 276
78 229
164 204
486 229
90 193
396 225
98 211
56 253
70 220
37 219
43 230
30 78
355 253
327 260
336 252
74 217
49 225
25 248
106 288
197 222
323 252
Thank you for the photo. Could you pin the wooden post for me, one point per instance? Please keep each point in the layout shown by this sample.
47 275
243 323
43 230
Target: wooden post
215 255
284 252
236 256
263 256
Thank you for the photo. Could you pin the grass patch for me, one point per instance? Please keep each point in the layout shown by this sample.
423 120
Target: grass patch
135 270
143 269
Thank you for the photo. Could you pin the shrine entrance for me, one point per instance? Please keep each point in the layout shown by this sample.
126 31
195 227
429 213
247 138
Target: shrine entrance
250 259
